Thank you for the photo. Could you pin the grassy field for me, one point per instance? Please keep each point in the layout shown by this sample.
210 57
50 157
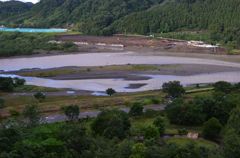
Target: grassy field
53 104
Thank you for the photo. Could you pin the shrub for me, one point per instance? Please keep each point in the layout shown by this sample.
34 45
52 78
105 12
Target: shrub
173 88
151 132
39 96
160 123
136 109
2 103
111 123
212 129
110 91
71 112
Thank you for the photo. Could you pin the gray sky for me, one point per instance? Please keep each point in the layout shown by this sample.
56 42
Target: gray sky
33 1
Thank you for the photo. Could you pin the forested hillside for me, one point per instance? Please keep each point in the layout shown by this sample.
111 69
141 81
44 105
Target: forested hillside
89 16
104 17
221 17
11 8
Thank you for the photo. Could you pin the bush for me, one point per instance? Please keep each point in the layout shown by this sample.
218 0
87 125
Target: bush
32 115
19 81
160 123
182 113
39 96
6 84
212 129
71 112
110 91
182 131
151 132
136 109
222 86
174 89
2 103
111 123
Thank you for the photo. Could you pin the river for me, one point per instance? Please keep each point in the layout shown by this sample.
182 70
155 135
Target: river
120 85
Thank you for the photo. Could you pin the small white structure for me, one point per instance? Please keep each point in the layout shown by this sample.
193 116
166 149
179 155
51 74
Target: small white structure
192 135
201 44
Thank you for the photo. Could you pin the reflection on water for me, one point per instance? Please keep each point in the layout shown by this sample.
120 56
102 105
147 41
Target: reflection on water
120 85
101 59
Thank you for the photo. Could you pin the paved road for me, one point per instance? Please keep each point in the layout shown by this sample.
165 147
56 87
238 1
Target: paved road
95 113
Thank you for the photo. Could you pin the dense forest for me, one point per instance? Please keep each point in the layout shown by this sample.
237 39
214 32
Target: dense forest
12 44
137 134
221 18
11 8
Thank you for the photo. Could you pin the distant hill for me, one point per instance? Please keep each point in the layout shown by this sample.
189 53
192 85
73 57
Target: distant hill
104 17
90 16
10 8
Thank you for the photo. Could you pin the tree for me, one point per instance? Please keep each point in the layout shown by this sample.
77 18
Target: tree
151 132
19 81
111 123
234 120
185 113
160 123
32 115
136 109
174 89
110 91
40 96
231 144
138 150
212 129
2 103
71 112
6 84
223 86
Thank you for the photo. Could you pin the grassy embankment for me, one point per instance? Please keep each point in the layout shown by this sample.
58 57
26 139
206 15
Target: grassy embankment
53 104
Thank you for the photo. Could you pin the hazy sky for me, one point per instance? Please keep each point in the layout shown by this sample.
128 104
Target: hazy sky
33 1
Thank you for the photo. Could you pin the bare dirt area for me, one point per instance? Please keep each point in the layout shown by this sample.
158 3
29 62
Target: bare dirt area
119 42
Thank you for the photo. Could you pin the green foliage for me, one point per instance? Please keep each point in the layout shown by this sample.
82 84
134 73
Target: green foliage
19 82
151 132
234 120
6 84
105 17
182 131
160 123
40 96
231 144
212 129
136 109
231 141
12 44
11 8
223 87
32 115
183 113
174 89
138 151
111 123
2 103
71 112
213 15
110 91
